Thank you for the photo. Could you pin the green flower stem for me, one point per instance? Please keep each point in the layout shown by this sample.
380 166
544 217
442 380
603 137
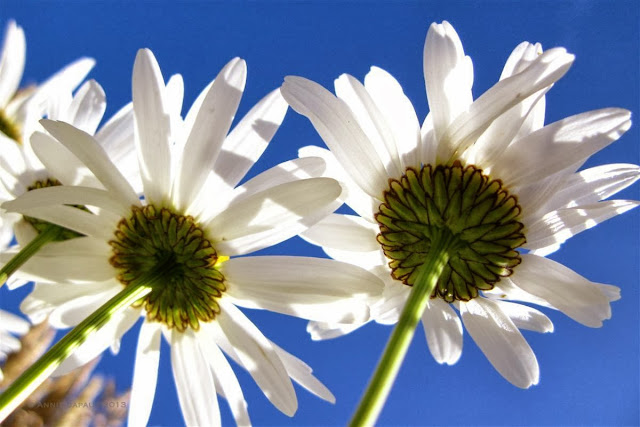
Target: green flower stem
17 392
49 234
380 384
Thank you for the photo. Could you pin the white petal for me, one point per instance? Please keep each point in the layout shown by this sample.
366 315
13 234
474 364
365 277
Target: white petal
224 376
346 232
501 342
507 290
258 357
525 317
68 195
250 137
65 80
76 268
301 373
273 215
371 120
558 226
47 297
209 130
153 126
323 331
335 123
99 341
560 145
592 185
366 260
428 142
293 170
61 163
448 76
399 113
575 296
443 330
12 62
88 106
117 139
310 288
74 219
194 382
86 148
363 204
468 126
145 374
12 323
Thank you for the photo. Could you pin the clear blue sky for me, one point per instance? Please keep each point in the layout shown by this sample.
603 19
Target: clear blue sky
587 377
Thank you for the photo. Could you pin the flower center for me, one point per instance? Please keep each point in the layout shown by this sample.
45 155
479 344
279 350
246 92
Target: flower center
156 238
462 203
9 128
40 225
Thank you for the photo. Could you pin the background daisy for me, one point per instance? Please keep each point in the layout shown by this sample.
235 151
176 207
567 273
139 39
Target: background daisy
312 40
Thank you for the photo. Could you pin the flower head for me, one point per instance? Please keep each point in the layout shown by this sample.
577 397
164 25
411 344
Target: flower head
484 175
20 111
191 223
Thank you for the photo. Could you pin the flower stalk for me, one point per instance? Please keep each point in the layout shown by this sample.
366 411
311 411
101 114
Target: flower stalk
20 389
394 353
49 234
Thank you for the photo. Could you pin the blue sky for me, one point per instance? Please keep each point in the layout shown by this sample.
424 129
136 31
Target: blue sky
588 376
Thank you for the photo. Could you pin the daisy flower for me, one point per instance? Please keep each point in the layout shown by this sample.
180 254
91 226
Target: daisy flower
23 171
191 232
20 111
484 176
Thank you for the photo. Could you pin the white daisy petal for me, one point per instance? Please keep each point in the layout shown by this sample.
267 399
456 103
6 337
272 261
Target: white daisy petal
575 296
556 227
560 145
301 373
73 268
366 260
323 331
346 232
153 126
61 163
145 374
448 76
337 126
250 137
194 382
65 80
12 61
293 170
443 330
363 204
500 341
592 185
273 215
310 288
209 130
88 106
74 219
225 378
99 341
258 357
428 143
68 195
525 317
399 114
468 126
12 323
87 149
371 120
